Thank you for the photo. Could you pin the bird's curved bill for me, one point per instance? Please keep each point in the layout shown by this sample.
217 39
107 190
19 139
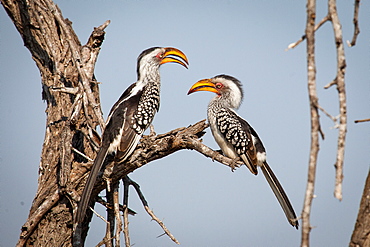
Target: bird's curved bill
172 55
203 85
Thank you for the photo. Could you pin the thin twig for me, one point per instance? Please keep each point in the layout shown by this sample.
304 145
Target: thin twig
82 154
355 23
294 45
109 206
166 231
150 212
97 214
332 83
362 120
107 238
327 114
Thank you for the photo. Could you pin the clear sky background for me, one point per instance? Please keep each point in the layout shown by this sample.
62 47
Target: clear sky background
202 202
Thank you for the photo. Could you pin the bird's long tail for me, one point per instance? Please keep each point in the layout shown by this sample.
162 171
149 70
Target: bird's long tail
280 194
86 194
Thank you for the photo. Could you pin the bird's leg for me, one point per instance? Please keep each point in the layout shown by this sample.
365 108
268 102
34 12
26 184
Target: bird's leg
152 131
234 163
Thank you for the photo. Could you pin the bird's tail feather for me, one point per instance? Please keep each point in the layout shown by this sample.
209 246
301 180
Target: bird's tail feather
280 194
86 194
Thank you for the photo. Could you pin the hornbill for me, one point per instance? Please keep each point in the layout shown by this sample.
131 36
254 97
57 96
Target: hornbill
236 138
131 115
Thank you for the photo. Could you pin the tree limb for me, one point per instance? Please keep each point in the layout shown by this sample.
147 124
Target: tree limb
356 31
294 45
342 126
362 120
33 220
315 122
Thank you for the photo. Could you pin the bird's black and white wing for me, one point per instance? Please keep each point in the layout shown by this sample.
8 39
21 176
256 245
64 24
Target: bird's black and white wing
131 115
119 138
234 138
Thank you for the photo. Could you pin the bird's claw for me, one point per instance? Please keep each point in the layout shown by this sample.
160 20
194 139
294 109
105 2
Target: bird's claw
234 164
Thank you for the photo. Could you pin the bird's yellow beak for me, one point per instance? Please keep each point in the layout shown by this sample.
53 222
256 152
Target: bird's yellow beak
170 51
203 85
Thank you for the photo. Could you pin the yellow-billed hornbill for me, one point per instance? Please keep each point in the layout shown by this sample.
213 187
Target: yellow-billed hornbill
236 138
131 115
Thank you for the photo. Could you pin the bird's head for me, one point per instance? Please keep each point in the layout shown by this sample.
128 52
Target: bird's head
228 89
152 58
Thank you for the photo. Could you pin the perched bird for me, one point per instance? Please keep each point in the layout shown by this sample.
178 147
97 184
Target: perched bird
236 138
131 115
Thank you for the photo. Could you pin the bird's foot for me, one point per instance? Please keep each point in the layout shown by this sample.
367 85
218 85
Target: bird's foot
234 164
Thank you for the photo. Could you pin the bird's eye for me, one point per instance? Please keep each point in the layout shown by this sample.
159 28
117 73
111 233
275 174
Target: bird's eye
219 85
160 55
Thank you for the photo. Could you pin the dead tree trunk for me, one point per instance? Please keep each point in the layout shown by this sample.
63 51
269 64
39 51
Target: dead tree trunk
73 113
361 233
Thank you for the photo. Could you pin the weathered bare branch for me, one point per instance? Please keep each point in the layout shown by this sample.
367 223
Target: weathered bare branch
126 185
127 182
125 227
35 218
155 147
117 216
341 70
295 44
362 120
81 60
356 31
315 122
332 83
107 238
166 231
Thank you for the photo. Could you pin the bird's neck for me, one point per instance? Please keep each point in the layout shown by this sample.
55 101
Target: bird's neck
149 73
148 78
220 101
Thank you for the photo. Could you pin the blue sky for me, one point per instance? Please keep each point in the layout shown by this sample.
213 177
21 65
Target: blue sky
202 202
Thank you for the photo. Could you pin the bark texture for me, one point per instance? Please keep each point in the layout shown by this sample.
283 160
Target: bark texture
361 233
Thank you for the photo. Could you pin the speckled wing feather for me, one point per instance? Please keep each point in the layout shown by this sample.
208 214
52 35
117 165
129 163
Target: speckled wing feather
238 135
118 130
